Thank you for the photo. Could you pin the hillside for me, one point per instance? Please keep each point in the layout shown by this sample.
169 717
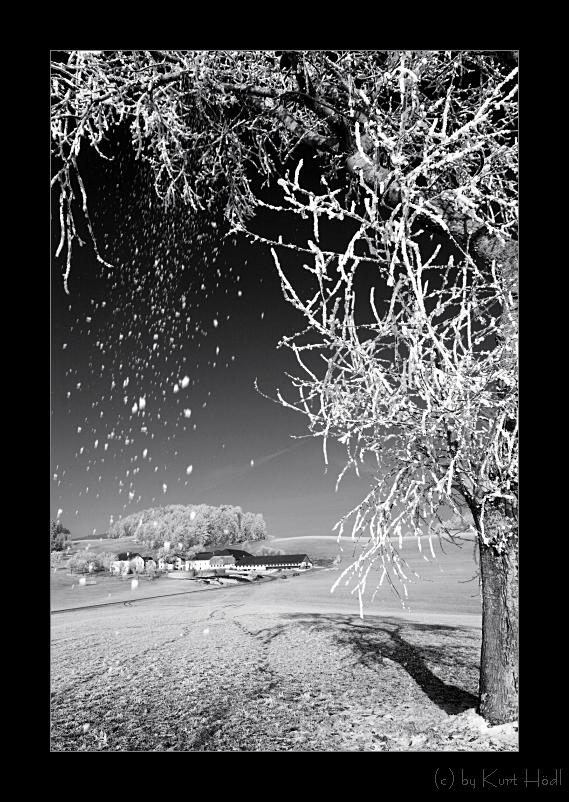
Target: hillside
274 666
327 680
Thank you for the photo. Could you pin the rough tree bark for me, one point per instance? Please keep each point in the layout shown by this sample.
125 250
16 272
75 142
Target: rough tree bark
498 702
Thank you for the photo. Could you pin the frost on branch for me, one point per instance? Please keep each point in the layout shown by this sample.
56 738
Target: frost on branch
419 380
429 133
421 390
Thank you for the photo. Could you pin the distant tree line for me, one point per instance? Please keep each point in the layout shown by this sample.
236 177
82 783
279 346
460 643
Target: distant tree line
189 529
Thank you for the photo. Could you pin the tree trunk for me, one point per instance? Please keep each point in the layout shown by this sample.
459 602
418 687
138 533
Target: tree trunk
498 701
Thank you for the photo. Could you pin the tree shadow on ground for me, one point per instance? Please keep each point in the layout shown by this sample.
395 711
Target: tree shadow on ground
374 640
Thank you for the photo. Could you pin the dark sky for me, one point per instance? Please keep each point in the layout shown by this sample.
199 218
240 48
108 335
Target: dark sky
154 363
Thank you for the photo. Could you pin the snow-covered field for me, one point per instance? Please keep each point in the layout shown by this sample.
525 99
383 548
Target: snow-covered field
275 666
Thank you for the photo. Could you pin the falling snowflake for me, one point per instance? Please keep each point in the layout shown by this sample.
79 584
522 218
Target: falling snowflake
189 469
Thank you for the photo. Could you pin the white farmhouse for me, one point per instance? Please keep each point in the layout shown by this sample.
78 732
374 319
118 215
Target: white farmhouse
124 560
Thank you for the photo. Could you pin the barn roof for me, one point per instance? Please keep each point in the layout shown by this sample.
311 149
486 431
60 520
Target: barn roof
220 559
237 553
130 556
275 559
207 555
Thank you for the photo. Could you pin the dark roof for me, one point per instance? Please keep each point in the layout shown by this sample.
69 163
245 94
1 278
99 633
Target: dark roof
207 555
237 553
274 559
124 556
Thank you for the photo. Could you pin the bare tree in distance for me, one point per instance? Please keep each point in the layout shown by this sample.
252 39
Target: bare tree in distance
417 154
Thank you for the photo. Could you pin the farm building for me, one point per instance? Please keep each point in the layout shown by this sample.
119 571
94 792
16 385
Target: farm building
124 561
237 553
203 560
273 562
219 560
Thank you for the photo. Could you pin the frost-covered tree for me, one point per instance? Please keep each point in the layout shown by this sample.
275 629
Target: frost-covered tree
254 527
80 561
104 560
121 528
416 152
60 537
133 567
258 528
267 550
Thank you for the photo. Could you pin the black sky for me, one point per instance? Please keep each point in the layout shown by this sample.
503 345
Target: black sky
186 322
